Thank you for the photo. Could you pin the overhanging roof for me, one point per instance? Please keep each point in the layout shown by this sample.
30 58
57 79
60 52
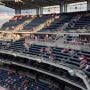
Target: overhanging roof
28 4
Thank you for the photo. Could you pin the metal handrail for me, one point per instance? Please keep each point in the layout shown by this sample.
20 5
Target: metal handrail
77 72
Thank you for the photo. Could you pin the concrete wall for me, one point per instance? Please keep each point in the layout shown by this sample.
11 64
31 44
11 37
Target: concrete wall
88 5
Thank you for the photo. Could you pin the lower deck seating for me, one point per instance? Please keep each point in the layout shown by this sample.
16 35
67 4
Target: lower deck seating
68 58
18 81
57 55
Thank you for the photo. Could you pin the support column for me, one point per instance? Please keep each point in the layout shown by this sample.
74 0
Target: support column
17 11
65 7
41 10
61 7
37 11
88 5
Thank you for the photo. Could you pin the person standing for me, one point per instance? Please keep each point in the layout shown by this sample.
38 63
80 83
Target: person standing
83 61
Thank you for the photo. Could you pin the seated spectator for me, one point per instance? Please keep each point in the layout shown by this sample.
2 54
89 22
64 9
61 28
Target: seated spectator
83 61
42 50
48 50
72 52
50 53
52 57
65 50
46 37
27 43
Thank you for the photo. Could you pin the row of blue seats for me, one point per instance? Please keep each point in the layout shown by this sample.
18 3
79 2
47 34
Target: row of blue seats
13 23
58 22
36 22
35 49
82 23
16 81
57 54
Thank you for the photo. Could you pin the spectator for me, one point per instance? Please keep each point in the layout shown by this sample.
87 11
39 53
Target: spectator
72 52
52 57
42 52
48 50
27 43
83 61
65 50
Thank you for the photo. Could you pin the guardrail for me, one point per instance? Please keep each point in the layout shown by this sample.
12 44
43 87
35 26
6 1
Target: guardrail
86 47
76 72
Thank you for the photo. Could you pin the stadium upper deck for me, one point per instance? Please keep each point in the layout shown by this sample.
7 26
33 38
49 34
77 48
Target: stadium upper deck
25 4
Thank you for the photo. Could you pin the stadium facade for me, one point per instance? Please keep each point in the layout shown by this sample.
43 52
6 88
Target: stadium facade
49 50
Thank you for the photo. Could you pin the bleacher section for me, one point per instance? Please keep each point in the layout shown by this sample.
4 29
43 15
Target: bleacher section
46 45
19 81
36 22
72 21
16 20
82 21
59 21
79 22
55 54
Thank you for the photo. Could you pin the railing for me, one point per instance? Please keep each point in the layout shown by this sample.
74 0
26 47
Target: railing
59 42
62 44
86 47
76 72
